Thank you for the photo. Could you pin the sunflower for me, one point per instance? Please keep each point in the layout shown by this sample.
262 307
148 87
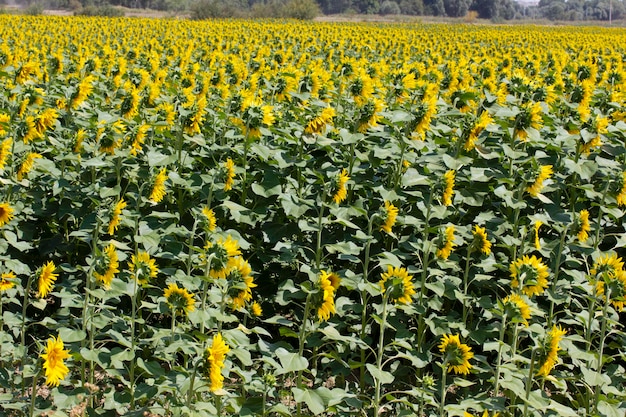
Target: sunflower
115 217
327 291
229 166
447 243
241 281
481 242
608 272
143 267
256 309
7 281
549 352
179 299
583 225
5 151
318 123
369 114
538 224
53 365
456 354
140 137
211 221
481 124
391 212
216 354
516 308
46 278
398 283
341 191
621 197
158 190
27 165
545 172
6 213
218 254
448 192
108 266
530 274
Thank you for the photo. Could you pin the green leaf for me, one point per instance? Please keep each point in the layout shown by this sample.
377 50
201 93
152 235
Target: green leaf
71 336
311 398
383 376
290 362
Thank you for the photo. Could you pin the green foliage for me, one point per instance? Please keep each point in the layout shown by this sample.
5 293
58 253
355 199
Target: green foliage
389 7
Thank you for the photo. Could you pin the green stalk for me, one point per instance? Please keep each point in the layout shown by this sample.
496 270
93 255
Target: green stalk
23 335
599 219
601 351
499 360
516 218
381 351
33 395
421 324
425 250
556 269
318 245
205 288
444 388
190 246
244 178
529 382
173 326
364 299
88 290
301 341
465 283
133 341
398 175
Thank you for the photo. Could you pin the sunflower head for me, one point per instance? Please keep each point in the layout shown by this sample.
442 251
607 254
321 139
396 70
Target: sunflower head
456 355
516 309
7 281
219 254
6 213
327 284
481 242
530 275
143 267
397 284
179 299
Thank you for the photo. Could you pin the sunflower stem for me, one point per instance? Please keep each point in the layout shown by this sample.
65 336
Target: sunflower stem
466 284
556 269
318 245
380 353
444 388
23 334
596 242
33 395
601 350
364 299
133 342
529 381
301 340
496 382
520 196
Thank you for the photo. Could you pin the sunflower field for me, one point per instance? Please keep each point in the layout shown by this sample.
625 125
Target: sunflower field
267 218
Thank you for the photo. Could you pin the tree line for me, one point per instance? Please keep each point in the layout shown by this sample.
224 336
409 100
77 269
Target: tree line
569 10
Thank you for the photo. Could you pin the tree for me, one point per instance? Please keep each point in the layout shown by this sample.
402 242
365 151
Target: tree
412 7
434 8
456 8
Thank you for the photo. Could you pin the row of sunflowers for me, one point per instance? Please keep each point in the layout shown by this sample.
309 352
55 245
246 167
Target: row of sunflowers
286 218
